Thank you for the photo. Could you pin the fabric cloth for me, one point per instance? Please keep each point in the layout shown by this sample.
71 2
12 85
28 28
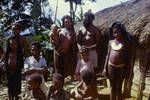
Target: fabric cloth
32 63
116 77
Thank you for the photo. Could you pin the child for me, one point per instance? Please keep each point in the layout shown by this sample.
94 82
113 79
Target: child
117 60
13 69
35 86
56 91
86 89
83 63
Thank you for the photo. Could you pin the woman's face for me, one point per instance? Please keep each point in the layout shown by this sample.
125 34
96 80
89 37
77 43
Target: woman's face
67 23
116 33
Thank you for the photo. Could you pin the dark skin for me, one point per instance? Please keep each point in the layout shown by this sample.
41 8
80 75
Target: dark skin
16 31
116 55
57 86
12 60
88 92
36 54
88 39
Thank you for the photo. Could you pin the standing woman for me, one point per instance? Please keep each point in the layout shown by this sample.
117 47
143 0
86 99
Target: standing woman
118 59
65 49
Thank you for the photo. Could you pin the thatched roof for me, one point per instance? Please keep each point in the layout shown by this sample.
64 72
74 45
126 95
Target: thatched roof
134 14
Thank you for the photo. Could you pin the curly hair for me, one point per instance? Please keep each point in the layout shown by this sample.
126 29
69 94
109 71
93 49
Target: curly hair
67 17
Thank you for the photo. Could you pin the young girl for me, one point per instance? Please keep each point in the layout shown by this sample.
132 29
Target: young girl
83 63
13 69
86 89
117 60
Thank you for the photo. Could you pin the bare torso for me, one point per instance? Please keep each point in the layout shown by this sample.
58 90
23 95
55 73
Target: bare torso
88 36
12 61
117 53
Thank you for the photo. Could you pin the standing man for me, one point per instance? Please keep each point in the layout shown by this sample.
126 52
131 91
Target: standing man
89 36
15 58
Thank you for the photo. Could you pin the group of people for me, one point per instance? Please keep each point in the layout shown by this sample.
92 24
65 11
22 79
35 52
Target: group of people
75 55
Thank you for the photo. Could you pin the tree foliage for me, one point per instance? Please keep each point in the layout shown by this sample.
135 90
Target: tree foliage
73 8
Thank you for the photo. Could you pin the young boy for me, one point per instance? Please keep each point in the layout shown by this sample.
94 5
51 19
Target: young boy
86 89
56 91
35 86
83 63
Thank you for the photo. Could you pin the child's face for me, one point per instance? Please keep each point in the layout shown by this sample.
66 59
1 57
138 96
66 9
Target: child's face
84 56
55 29
13 44
116 33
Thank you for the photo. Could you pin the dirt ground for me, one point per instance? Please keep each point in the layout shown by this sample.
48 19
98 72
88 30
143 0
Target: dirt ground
102 90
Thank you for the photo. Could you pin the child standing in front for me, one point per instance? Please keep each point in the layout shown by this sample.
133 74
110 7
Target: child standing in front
117 60
83 63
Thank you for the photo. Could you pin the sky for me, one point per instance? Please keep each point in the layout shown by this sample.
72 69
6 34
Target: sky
63 7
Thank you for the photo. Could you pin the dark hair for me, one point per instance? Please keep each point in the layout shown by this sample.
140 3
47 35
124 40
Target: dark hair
90 15
58 76
36 78
67 17
122 30
37 44
87 76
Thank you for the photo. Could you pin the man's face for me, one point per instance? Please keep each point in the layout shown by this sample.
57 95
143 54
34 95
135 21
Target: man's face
35 51
86 21
15 30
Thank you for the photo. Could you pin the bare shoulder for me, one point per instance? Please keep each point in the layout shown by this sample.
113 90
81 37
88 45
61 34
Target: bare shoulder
96 29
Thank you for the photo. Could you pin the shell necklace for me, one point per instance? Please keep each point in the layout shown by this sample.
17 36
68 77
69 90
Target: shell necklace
116 46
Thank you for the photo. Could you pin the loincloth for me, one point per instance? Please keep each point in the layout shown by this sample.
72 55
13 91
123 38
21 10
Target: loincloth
117 65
